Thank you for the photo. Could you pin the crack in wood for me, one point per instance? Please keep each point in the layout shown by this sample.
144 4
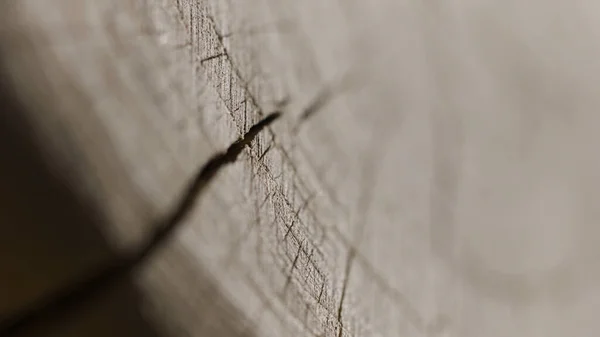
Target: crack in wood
70 296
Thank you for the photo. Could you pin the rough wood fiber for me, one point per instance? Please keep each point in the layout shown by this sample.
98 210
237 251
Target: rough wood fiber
449 190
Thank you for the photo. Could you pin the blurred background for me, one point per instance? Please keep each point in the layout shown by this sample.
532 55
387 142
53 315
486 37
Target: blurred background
434 172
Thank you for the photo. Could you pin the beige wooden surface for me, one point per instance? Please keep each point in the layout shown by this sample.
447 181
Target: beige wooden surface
450 190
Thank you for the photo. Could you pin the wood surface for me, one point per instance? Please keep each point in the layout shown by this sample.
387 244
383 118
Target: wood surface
434 171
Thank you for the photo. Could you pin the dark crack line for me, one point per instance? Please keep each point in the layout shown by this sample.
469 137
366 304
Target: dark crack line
324 97
265 152
206 59
297 216
68 297
291 274
349 264
321 293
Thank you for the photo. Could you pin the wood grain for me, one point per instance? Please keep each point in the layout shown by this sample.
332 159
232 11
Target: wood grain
449 190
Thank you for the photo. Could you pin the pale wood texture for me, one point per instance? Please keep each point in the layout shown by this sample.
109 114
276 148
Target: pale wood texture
450 189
